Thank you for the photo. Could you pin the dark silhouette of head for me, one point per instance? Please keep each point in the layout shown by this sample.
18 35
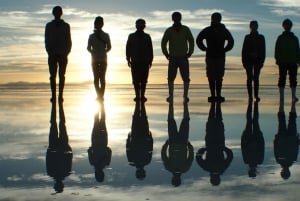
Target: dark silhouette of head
216 17
140 24
285 173
57 12
140 173
287 24
99 175
253 25
176 17
215 179
59 186
98 22
176 180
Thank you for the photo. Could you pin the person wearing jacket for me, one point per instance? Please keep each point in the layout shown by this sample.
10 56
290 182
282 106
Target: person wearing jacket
58 45
98 45
215 36
180 42
253 58
139 55
287 56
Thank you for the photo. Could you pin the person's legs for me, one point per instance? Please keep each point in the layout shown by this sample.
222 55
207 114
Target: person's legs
249 73
256 75
63 61
185 75
102 74
293 70
52 62
96 73
211 73
281 82
172 71
220 70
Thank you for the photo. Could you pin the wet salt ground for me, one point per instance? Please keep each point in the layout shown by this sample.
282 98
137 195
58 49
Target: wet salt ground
25 126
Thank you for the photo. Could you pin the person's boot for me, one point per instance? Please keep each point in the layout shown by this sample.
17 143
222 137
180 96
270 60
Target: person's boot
186 86
171 90
256 89
137 91
143 90
212 88
294 98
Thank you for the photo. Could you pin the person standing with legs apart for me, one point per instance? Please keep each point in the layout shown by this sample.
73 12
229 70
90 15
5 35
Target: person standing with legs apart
215 36
98 45
287 56
253 58
139 55
58 45
180 47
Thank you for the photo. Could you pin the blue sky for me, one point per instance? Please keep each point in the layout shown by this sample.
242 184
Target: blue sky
22 54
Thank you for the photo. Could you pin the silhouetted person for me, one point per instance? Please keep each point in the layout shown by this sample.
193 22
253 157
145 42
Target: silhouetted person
216 35
99 153
178 45
252 141
286 142
58 45
215 157
139 144
139 55
287 56
59 153
253 58
177 153
98 45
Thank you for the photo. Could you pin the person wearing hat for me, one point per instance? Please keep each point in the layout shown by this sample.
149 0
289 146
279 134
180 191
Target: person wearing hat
139 55
287 56
58 45
98 45
218 41
253 58
177 45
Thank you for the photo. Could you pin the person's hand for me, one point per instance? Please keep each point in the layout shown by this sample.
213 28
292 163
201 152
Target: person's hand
188 55
128 63
167 56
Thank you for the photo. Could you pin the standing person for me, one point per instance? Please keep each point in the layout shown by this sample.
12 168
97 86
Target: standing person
180 47
98 45
253 58
58 45
287 56
139 55
215 35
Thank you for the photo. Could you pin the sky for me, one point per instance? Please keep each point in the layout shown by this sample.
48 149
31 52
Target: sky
22 22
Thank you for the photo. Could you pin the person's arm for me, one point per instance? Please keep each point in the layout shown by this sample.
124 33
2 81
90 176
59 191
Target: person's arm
199 41
108 43
164 42
128 50
89 46
230 41
191 43
150 51
69 40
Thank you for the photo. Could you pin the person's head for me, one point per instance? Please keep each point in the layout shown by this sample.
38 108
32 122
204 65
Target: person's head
99 175
215 179
176 179
253 25
98 22
57 12
287 24
216 18
140 24
140 173
176 17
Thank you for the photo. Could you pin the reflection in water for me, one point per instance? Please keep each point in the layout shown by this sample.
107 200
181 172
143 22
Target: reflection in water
286 141
177 153
252 141
59 153
99 153
139 144
215 157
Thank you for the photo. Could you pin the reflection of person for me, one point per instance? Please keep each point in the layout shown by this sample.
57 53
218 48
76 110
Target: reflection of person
253 58
98 45
59 153
287 56
139 55
180 47
286 142
177 153
252 141
58 45
215 157
215 36
99 153
139 144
